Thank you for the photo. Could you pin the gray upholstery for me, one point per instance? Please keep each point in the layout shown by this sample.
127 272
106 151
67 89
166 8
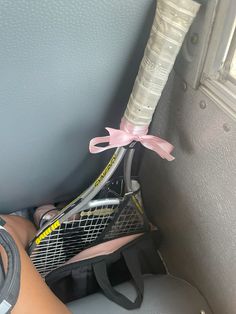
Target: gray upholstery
65 67
163 294
193 199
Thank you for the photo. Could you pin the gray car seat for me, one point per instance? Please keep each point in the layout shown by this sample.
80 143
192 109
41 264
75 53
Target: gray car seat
67 69
164 294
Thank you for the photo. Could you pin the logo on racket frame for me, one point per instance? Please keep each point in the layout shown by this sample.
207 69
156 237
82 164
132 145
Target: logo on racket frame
49 230
105 171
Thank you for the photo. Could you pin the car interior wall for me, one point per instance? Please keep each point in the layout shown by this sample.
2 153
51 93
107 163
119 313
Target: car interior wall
192 199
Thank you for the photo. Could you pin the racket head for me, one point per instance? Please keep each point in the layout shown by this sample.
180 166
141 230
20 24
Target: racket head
102 220
80 202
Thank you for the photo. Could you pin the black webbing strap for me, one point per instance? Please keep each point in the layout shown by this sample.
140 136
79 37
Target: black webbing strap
133 264
100 272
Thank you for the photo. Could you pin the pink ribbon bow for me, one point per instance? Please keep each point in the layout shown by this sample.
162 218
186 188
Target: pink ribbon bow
119 138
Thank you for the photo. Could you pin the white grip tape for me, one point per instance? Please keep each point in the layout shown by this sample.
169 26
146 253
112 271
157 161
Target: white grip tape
171 23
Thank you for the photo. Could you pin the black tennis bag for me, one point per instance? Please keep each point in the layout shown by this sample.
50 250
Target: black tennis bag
79 279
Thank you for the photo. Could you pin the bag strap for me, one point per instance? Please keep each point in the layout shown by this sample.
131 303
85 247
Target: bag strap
100 272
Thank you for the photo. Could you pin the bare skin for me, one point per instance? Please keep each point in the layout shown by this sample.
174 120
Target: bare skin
35 296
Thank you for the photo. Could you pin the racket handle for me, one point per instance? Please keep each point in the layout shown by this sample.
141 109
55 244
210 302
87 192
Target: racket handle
171 23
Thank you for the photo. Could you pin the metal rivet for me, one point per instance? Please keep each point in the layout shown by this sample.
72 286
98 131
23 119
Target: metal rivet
202 104
184 86
194 38
226 127
202 312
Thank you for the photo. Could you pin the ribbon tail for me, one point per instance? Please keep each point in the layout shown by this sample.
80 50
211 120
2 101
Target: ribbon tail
160 147
116 138
99 140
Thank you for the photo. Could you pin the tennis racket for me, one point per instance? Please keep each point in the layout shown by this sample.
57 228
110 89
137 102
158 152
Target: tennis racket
111 216
171 23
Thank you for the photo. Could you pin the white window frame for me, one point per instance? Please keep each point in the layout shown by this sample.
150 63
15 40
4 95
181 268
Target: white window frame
213 80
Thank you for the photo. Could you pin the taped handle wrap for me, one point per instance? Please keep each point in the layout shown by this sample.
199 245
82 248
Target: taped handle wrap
171 23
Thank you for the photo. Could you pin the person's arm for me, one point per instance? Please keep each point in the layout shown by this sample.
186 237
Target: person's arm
35 297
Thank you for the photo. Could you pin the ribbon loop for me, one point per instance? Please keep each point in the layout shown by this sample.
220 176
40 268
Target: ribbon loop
119 138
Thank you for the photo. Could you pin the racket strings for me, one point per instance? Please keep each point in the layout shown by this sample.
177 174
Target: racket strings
69 239
128 222
91 226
